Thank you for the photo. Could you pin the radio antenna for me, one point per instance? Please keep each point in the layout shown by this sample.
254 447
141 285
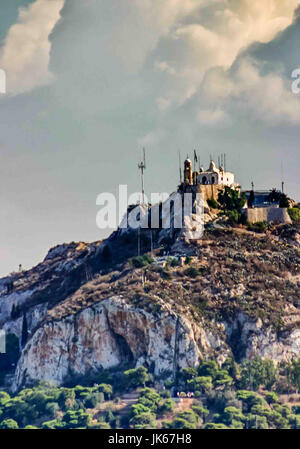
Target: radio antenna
142 167
180 169
282 181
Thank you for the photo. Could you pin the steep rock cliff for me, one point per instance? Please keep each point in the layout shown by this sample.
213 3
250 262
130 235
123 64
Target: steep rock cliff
87 311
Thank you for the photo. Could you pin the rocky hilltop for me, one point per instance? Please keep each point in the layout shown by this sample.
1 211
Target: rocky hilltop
89 307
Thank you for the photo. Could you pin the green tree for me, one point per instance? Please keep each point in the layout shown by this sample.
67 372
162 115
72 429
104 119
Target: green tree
66 398
136 377
184 420
208 368
167 406
200 383
294 421
223 379
149 398
189 373
201 411
232 367
9 424
146 420
4 398
106 389
212 425
274 196
231 414
256 422
52 408
284 201
258 372
271 397
232 202
249 399
294 373
54 424
138 408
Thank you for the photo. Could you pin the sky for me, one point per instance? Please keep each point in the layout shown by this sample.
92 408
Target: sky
90 82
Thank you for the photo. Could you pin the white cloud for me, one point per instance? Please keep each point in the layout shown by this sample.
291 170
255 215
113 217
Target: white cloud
25 53
268 97
163 103
210 35
244 90
211 116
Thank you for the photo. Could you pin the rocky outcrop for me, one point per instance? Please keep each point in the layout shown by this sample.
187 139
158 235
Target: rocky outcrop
114 332
249 338
88 309
107 335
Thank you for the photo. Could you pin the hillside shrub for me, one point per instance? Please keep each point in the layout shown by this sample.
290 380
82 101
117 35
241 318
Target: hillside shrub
192 272
166 407
294 213
9 424
213 203
141 261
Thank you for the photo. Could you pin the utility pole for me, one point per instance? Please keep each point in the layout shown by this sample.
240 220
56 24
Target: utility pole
142 167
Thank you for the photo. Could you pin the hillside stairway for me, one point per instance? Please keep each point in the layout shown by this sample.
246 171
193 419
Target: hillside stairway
128 399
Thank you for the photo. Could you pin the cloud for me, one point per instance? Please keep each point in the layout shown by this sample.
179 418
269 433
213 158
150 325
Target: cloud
211 116
212 35
245 91
26 50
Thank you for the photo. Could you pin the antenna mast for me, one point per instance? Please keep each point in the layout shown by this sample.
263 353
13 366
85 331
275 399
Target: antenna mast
142 167
195 160
180 169
282 181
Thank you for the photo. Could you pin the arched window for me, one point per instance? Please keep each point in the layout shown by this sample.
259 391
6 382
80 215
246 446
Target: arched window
204 180
212 179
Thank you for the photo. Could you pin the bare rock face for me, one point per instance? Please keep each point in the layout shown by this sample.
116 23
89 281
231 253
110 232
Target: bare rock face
104 336
113 332
252 339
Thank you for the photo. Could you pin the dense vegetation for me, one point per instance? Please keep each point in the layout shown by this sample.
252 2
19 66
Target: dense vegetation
254 394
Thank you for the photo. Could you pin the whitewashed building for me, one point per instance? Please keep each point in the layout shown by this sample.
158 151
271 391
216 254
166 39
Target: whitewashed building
214 175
